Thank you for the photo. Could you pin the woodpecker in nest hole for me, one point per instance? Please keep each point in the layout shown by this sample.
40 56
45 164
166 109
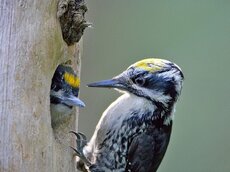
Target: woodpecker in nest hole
64 93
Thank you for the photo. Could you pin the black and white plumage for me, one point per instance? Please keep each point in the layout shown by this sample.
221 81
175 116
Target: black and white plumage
134 131
64 93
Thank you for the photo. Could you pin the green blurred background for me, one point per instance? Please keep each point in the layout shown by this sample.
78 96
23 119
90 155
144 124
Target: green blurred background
195 34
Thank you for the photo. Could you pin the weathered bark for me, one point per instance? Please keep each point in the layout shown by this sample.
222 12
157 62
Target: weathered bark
31 47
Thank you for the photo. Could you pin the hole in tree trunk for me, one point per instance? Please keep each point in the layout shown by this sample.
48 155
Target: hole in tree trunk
64 95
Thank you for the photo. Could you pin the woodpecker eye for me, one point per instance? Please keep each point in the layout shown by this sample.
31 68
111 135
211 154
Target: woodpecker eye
140 81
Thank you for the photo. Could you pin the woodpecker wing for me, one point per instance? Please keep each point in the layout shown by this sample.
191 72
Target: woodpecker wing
146 150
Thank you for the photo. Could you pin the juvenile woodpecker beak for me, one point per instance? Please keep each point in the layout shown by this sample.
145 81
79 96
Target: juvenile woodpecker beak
73 101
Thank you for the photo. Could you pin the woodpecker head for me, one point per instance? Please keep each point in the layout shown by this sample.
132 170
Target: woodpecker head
157 80
65 88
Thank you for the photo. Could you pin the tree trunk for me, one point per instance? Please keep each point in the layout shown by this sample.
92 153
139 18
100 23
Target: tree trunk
31 48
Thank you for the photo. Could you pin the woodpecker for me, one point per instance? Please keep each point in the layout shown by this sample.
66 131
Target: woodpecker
134 131
64 93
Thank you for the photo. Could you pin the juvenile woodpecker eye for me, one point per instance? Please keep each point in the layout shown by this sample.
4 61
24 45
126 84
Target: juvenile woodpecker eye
140 81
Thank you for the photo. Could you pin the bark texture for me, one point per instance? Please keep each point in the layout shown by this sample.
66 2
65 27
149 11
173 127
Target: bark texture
31 47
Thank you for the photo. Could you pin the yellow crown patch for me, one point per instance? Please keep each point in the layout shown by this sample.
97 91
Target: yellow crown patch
72 80
151 64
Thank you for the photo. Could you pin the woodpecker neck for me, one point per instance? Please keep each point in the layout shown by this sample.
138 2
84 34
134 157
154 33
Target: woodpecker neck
165 113
161 112
164 107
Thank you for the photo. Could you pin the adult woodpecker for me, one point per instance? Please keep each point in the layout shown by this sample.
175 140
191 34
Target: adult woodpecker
134 131
64 94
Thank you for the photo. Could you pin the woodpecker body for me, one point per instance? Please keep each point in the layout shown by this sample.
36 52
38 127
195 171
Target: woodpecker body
134 131
121 129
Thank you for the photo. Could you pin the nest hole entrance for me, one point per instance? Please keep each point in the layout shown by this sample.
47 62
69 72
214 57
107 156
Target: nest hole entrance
58 109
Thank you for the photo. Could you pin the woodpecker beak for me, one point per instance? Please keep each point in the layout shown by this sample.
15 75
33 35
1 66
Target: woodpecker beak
73 101
110 83
117 82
